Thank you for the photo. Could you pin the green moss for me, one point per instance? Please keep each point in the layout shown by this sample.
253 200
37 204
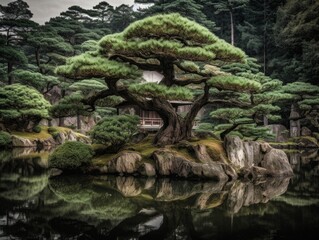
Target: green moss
71 156
316 135
43 134
145 147
102 159
305 140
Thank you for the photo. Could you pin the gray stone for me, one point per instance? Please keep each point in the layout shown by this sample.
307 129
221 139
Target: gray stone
126 162
53 172
22 142
235 151
147 169
277 164
171 163
201 153
249 156
306 131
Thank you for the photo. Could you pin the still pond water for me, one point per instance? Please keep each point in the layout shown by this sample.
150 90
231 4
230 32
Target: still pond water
32 206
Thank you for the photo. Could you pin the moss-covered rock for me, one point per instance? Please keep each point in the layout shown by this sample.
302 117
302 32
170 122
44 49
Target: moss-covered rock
306 142
71 156
5 139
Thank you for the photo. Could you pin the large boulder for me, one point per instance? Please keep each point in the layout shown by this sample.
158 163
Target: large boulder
306 131
70 136
23 142
169 162
235 151
125 163
256 159
276 162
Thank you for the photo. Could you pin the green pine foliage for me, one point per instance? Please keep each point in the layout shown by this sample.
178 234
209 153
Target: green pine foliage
234 83
154 90
187 8
88 66
20 105
69 106
115 131
41 82
305 96
71 156
167 35
5 139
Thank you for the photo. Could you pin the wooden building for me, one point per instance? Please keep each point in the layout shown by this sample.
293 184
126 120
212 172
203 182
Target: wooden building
150 120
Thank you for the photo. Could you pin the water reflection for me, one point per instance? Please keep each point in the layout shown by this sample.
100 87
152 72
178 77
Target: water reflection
32 206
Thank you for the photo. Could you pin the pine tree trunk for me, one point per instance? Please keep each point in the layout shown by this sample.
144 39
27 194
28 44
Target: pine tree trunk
170 133
265 40
266 121
227 131
37 58
232 28
172 130
78 122
61 122
9 70
176 129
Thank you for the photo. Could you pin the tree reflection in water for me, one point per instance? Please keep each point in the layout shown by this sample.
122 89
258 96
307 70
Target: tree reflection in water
79 207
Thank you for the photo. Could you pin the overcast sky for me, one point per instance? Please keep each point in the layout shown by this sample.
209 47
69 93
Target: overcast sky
43 10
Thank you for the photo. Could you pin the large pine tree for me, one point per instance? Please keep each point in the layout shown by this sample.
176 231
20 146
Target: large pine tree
187 55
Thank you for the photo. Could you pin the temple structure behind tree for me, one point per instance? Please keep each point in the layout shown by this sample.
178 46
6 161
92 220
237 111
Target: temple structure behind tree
150 120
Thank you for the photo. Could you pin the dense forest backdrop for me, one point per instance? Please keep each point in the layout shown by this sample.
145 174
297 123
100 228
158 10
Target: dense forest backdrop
282 35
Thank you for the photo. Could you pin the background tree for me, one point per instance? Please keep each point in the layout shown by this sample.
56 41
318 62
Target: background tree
22 107
43 83
306 102
257 107
49 48
14 23
104 11
230 7
123 15
296 32
11 56
71 105
256 30
187 8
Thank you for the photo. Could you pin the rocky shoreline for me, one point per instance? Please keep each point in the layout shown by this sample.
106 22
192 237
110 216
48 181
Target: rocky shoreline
245 159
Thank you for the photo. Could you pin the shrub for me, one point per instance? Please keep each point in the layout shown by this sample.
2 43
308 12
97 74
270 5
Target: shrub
5 139
53 131
71 156
36 129
21 105
115 131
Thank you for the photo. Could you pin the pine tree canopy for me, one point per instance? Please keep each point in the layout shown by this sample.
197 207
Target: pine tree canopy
234 83
154 90
88 65
35 79
22 104
13 55
170 36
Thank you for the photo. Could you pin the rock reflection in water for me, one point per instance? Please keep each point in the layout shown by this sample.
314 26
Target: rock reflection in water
82 207
122 207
